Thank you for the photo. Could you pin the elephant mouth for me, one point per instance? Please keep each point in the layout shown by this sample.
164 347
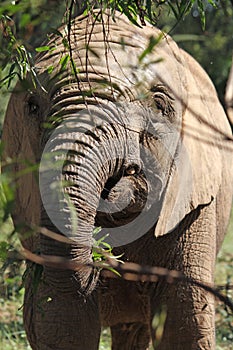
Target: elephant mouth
109 185
122 200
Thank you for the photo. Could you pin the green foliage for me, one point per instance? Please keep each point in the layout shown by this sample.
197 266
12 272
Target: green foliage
211 47
12 334
102 252
139 11
152 43
23 25
21 64
22 20
158 324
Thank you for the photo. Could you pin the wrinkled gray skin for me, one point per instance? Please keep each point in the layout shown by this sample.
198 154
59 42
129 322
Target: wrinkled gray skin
157 129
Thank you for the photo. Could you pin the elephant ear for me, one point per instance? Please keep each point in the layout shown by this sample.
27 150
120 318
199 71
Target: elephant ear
196 174
20 143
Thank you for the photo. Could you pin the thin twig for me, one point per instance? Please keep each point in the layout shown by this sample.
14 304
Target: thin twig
128 271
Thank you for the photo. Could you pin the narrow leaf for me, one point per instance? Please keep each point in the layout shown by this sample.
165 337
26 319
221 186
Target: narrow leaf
42 48
152 43
64 61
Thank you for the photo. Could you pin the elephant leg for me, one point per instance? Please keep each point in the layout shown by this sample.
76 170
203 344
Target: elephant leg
188 326
130 336
190 323
57 321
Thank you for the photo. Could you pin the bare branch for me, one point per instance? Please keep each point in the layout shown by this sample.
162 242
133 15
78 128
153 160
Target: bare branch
128 271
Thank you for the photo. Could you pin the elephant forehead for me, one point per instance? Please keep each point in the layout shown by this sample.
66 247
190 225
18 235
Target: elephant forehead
120 57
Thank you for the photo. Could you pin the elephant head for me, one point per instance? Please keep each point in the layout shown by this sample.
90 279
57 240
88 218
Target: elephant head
125 140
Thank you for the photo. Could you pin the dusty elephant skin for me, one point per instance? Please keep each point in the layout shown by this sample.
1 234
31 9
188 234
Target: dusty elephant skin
139 145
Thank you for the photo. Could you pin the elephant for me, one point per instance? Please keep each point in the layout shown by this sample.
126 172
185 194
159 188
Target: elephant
129 135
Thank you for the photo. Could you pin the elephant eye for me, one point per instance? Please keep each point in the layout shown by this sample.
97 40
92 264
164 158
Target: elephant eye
163 100
160 102
33 107
164 105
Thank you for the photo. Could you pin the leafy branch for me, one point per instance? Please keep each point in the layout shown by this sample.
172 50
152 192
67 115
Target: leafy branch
16 54
102 252
18 60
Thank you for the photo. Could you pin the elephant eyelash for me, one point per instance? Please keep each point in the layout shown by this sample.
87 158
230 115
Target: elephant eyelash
161 90
160 102
164 104
163 100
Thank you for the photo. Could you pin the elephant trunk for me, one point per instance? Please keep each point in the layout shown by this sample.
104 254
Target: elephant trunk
85 151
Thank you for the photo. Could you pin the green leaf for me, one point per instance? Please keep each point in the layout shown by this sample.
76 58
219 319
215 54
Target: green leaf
129 11
114 271
65 42
25 19
100 249
213 3
43 48
152 43
158 323
50 69
202 12
64 61
74 69
188 37
96 230
4 247
149 10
